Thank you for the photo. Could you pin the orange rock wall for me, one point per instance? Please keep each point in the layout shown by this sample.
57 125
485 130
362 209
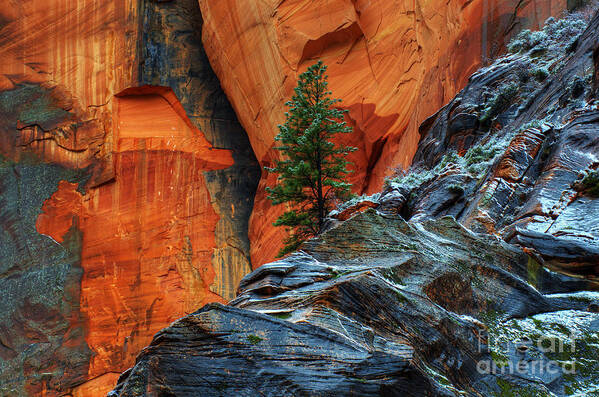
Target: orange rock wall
392 62
87 47
83 52
61 62
159 235
148 236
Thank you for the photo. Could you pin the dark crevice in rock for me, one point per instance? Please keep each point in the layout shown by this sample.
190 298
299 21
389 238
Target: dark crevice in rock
173 55
375 155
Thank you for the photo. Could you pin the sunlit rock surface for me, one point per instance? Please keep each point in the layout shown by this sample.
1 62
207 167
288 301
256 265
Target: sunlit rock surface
148 236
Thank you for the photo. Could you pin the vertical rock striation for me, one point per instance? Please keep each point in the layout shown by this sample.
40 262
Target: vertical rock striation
127 182
127 185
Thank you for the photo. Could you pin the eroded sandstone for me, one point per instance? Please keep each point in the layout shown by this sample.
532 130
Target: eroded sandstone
368 309
127 184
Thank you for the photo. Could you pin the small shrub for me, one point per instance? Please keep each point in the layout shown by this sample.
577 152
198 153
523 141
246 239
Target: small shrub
481 154
514 46
411 179
282 316
518 42
358 199
536 38
525 40
564 28
500 102
554 31
475 161
449 158
478 158
532 124
254 340
416 177
590 183
541 74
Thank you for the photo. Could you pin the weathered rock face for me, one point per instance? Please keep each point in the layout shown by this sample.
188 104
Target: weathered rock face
398 297
127 185
393 63
376 306
42 328
146 250
539 140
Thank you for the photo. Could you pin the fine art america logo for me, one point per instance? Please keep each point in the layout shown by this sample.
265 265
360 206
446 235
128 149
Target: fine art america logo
527 357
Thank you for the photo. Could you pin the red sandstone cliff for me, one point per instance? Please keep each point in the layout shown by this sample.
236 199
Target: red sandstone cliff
148 235
159 232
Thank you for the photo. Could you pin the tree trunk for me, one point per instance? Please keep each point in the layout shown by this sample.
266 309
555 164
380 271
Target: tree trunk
319 191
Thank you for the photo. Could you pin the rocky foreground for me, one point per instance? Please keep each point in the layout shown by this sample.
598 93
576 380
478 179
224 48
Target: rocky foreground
377 305
472 275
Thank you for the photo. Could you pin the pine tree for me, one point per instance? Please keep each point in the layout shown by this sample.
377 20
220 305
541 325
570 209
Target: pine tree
313 169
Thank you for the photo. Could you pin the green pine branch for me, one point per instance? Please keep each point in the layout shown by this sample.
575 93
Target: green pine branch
313 169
